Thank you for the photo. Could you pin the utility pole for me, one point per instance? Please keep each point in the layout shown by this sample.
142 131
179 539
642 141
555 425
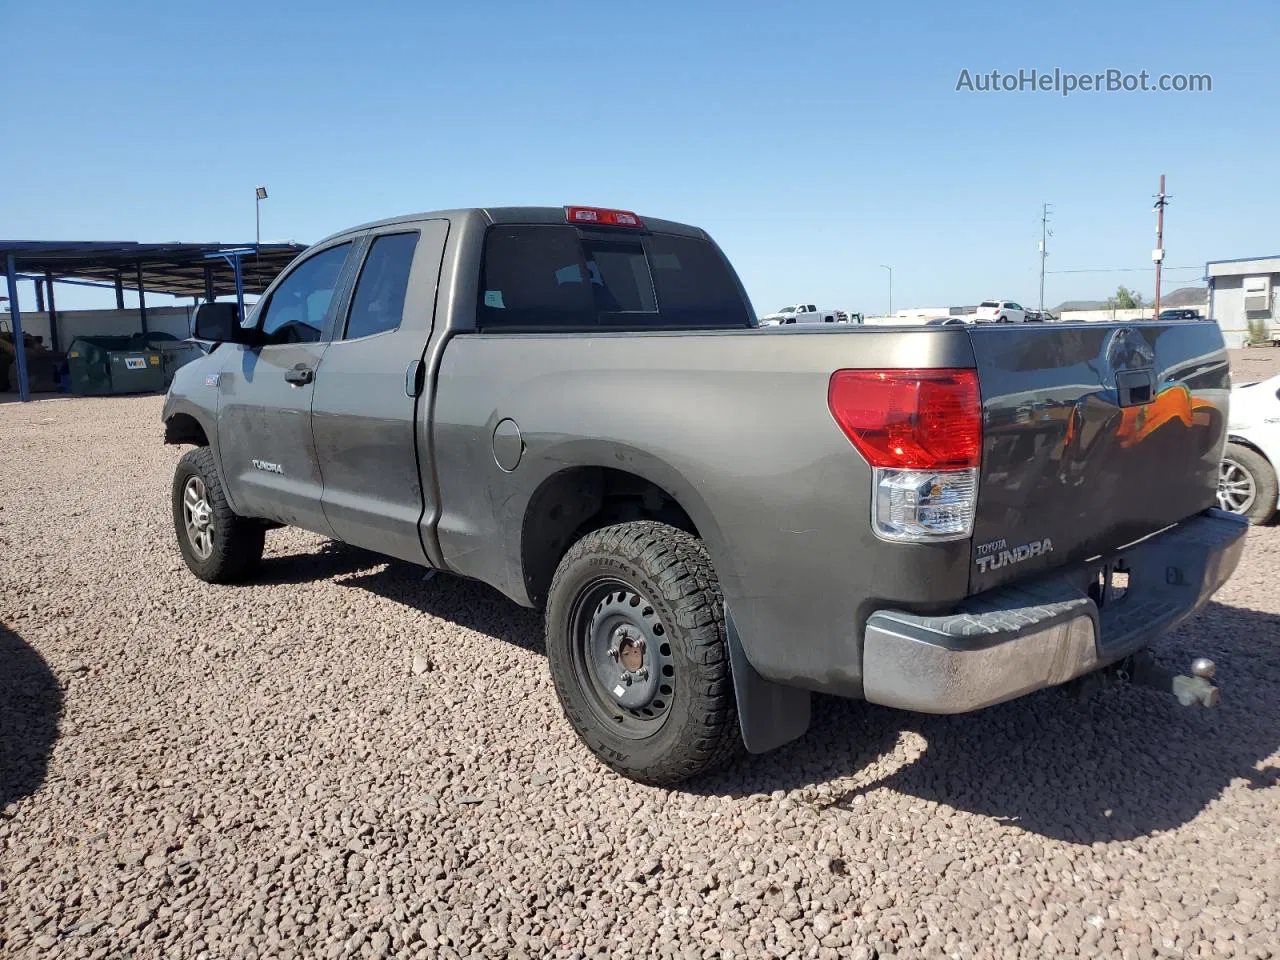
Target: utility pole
890 269
1157 254
1045 234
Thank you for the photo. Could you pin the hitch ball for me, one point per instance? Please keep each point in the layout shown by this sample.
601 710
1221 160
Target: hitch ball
1204 668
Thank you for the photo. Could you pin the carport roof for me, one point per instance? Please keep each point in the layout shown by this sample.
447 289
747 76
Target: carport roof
178 269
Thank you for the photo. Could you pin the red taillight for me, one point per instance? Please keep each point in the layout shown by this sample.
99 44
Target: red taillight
910 419
601 217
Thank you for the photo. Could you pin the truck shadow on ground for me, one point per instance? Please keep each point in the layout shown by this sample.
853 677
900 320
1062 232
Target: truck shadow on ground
30 706
332 560
467 603
1126 763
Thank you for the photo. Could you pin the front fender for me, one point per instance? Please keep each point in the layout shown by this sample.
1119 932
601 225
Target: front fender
195 393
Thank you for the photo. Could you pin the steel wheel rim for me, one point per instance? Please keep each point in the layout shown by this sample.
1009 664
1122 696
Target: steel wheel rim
608 615
197 517
1236 489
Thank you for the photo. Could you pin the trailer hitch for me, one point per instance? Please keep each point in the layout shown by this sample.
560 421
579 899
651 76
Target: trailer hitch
1196 690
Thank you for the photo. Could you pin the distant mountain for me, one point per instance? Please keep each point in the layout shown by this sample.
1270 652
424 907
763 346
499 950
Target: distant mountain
1080 305
1182 297
1185 297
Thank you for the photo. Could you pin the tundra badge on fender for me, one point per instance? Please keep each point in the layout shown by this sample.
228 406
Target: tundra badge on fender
997 553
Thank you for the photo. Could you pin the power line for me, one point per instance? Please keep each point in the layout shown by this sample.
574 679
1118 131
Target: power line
1122 269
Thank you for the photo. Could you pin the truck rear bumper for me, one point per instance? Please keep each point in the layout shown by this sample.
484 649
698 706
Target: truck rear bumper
1016 639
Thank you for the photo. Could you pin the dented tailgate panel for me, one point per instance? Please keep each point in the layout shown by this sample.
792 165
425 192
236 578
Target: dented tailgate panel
1094 436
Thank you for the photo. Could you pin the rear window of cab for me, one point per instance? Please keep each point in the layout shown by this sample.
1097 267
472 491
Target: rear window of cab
548 277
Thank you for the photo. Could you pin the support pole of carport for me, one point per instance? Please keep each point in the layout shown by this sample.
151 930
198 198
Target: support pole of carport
15 315
209 296
53 315
235 264
142 299
39 285
119 291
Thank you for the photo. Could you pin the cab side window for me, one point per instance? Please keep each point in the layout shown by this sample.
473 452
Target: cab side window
297 308
378 303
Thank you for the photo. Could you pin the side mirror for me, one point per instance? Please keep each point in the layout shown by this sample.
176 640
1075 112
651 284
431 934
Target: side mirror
219 322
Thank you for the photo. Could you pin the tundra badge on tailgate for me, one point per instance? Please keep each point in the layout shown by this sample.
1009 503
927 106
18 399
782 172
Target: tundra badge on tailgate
997 553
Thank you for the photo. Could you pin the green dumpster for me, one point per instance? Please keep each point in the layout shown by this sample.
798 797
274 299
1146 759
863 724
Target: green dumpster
113 365
174 353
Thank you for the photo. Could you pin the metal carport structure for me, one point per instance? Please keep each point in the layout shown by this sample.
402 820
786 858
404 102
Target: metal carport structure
207 270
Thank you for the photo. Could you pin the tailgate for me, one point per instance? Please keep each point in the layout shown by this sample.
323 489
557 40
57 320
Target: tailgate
1094 435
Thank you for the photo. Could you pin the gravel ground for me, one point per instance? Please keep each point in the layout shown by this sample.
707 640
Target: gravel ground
347 760
1254 363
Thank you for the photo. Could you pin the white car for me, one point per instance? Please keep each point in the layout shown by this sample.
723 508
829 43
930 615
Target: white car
1247 482
1000 311
800 313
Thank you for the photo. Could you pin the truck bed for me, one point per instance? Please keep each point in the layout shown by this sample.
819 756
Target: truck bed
735 426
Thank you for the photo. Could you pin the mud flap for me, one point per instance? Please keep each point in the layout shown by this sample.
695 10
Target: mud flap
769 714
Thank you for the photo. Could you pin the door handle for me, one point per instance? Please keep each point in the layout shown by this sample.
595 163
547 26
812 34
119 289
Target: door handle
300 375
414 378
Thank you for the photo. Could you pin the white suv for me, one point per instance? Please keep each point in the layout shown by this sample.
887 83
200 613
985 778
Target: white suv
1000 311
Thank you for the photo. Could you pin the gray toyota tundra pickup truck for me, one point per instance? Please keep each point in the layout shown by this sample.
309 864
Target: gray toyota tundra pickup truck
577 406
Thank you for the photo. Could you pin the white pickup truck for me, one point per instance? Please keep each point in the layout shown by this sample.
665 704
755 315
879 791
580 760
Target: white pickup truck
800 313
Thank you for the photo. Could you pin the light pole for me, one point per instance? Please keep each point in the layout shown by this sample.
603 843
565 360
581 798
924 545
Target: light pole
260 194
890 269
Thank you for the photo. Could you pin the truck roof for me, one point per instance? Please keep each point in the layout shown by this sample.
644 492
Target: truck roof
492 215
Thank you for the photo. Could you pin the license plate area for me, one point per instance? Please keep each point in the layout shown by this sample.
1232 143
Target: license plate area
1109 587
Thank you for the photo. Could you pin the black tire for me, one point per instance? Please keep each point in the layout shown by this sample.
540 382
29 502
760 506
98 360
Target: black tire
670 571
235 543
1263 477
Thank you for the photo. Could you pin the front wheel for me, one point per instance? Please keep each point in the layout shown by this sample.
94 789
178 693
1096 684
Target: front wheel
637 651
1247 484
218 545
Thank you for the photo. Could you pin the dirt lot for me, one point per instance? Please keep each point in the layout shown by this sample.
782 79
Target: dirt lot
1255 363
264 771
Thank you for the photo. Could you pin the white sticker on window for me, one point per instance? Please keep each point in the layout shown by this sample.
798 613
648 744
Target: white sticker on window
493 298
135 363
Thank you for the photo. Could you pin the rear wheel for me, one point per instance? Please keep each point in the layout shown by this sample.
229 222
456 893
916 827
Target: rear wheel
1247 484
637 651
218 545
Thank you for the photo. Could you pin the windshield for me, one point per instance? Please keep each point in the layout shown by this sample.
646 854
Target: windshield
989 303
786 309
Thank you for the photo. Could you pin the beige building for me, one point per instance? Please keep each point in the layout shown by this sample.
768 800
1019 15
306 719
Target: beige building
1243 292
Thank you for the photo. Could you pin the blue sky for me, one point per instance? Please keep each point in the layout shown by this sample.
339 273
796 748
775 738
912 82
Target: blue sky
815 141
